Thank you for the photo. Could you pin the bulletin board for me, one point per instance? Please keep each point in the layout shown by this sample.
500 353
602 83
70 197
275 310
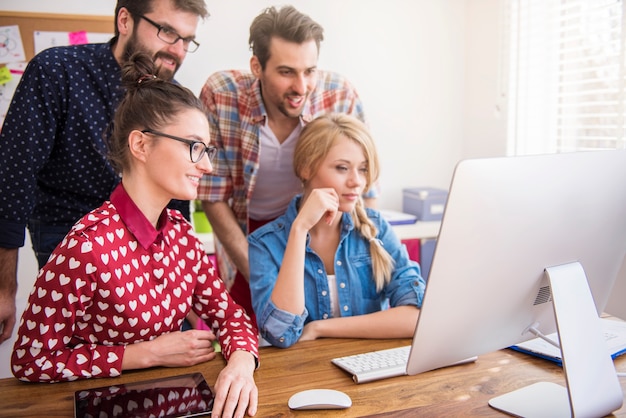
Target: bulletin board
31 22
23 33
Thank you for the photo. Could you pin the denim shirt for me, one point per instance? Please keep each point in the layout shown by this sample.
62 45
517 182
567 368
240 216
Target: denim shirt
356 289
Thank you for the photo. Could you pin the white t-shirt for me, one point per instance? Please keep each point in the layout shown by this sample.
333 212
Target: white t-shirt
276 182
334 300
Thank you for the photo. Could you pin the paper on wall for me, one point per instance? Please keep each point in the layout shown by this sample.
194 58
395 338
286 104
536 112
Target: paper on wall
11 46
44 40
12 74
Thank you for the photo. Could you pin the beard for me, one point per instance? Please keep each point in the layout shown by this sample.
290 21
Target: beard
293 114
290 112
133 45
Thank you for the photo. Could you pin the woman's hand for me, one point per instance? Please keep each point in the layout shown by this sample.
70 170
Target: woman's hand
175 349
319 204
235 390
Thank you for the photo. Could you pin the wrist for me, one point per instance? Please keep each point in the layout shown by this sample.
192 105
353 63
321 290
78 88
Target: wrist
245 359
315 329
138 356
298 229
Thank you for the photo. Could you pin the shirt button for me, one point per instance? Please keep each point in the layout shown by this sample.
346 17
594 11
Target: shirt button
342 285
324 293
282 339
319 271
325 316
339 263
345 308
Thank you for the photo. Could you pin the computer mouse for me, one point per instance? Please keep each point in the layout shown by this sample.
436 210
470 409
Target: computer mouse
320 399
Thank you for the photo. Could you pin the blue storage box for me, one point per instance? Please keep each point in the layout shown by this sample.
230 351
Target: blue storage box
427 203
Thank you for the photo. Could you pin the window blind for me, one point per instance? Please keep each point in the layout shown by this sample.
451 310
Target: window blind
566 75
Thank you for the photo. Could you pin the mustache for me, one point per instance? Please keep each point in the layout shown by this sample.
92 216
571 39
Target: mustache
166 56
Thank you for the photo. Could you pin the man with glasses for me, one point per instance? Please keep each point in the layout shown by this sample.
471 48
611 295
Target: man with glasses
53 166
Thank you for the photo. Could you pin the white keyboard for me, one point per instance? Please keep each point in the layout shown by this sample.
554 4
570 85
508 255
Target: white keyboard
375 365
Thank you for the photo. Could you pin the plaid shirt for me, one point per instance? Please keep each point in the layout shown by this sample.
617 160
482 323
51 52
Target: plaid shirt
236 112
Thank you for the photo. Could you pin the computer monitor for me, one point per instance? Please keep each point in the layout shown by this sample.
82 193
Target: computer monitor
506 221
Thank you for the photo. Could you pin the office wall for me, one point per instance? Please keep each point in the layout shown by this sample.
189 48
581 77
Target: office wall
427 72
415 64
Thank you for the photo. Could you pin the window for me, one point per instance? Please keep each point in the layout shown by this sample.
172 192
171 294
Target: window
567 75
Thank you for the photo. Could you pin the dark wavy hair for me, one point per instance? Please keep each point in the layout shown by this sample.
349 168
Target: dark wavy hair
286 23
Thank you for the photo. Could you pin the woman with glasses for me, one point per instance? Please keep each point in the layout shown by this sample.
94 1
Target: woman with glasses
114 293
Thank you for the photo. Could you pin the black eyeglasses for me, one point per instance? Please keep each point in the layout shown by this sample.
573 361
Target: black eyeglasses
169 35
197 149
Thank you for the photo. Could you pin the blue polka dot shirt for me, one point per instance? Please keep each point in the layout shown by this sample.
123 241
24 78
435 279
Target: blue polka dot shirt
53 165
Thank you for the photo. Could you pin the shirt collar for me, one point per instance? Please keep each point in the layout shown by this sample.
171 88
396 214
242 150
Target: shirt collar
135 220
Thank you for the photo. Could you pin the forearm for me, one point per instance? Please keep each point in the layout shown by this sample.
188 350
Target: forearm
398 322
8 290
229 233
138 356
8 271
288 293
34 362
243 360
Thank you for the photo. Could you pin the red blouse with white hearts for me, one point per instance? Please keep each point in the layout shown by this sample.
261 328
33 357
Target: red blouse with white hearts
116 280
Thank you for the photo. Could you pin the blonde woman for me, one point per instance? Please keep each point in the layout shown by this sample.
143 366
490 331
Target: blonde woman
329 267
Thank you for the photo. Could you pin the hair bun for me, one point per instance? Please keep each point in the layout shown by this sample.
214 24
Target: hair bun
146 77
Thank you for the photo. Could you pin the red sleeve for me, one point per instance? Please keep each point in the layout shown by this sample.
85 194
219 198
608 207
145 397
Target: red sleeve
215 306
47 347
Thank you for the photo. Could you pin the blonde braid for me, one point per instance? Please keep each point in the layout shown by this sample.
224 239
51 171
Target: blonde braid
382 262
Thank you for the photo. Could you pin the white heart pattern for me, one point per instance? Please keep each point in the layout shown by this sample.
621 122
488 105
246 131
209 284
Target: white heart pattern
105 287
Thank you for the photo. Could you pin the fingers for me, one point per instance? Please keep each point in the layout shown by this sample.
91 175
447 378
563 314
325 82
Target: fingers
320 204
184 348
235 398
201 334
199 346
254 401
333 207
235 390
330 216
237 401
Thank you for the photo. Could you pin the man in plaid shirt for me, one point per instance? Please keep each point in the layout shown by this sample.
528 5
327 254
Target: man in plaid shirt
256 118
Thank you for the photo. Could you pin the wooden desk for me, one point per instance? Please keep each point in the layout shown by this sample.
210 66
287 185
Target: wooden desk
456 391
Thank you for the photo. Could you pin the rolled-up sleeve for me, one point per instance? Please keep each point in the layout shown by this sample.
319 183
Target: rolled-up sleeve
278 327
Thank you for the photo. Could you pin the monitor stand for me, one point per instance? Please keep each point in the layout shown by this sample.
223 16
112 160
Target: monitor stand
593 388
